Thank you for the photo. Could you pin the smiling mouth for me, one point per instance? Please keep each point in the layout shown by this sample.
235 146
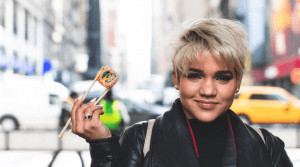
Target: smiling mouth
207 104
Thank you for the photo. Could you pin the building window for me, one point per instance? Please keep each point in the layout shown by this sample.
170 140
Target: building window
15 17
35 67
3 59
268 97
26 24
16 63
34 31
2 13
28 67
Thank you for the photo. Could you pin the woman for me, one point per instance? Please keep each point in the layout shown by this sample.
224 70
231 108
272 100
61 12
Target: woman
199 129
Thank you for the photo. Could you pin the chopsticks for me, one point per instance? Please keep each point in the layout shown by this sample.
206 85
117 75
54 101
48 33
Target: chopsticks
69 120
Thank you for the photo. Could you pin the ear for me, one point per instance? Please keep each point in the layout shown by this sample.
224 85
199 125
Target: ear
175 79
238 85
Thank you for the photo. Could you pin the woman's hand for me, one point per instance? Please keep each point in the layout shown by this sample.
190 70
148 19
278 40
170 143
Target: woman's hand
89 129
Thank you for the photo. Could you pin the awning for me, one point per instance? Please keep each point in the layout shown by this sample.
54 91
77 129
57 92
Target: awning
277 70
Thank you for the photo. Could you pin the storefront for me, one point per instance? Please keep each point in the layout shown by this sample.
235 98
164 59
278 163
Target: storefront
16 64
284 74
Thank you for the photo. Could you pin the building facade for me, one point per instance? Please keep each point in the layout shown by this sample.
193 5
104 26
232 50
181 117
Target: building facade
21 32
38 36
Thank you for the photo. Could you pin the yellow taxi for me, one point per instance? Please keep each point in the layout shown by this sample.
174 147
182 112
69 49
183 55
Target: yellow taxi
266 105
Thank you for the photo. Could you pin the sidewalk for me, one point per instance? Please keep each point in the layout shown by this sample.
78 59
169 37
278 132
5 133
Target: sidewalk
43 159
71 158
294 154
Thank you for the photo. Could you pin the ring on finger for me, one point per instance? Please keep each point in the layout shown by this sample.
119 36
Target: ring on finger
88 117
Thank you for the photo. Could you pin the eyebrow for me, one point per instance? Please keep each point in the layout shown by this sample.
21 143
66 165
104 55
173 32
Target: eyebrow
222 72
195 70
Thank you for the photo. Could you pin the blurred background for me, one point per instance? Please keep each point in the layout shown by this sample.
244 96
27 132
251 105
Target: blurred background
51 50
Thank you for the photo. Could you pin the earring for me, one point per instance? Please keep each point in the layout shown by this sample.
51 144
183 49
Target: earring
237 90
176 87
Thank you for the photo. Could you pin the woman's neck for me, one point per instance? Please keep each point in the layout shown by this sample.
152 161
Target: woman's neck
209 128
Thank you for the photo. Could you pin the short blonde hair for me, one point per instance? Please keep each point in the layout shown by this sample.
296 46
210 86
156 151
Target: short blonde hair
225 39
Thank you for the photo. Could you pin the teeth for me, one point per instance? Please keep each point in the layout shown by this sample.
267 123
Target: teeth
206 104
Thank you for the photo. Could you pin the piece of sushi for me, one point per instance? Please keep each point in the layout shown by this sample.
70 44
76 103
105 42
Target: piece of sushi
107 77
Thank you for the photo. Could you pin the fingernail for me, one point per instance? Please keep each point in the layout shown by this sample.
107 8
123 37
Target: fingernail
94 99
100 105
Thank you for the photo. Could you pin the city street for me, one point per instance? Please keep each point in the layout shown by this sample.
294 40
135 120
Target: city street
137 57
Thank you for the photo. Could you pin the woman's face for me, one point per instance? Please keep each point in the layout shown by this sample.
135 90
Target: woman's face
208 89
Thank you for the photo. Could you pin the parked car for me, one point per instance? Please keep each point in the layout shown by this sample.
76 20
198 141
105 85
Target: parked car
30 102
142 112
266 105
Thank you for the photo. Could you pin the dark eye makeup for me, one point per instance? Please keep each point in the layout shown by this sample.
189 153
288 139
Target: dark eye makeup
194 76
223 76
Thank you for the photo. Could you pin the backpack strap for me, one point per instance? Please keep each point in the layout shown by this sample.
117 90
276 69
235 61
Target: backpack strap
260 134
148 136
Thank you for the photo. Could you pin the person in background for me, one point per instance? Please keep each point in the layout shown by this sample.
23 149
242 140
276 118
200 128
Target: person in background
116 117
199 130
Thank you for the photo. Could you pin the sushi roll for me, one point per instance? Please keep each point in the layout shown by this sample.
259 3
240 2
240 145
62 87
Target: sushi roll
107 77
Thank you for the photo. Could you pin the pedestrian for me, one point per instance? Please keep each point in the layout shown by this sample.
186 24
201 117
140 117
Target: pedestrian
200 129
116 116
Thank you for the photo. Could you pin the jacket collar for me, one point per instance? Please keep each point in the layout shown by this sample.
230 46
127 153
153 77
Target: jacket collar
250 151
171 133
171 141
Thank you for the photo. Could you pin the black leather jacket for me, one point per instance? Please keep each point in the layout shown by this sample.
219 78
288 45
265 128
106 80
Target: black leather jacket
172 145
